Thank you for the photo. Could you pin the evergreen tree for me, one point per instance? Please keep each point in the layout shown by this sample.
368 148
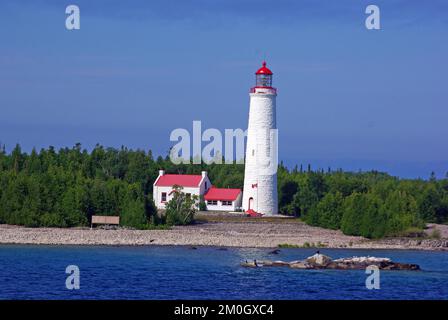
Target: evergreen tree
429 203
328 212
354 208
401 212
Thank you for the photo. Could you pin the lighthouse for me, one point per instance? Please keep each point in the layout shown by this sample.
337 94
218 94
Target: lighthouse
260 176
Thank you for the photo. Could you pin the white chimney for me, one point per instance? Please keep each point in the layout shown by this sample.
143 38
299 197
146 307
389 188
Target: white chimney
161 172
204 174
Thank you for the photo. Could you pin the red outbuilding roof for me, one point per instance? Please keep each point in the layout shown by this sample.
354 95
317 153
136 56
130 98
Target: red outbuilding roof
183 180
222 194
263 69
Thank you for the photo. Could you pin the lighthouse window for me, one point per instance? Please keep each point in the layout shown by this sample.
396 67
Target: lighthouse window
253 153
263 80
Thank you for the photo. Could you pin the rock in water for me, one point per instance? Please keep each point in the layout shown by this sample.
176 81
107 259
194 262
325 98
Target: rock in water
299 265
319 260
279 263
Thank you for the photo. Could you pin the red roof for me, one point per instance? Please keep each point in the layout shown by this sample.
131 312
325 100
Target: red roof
222 194
184 180
263 69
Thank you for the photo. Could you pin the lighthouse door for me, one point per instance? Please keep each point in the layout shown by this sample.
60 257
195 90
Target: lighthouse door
251 203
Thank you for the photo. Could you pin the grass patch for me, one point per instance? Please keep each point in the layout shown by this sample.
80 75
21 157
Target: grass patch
210 217
412 232
435 234
305 245
287 245
157 227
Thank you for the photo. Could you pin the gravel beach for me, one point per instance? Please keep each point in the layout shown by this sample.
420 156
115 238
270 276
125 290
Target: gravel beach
242 232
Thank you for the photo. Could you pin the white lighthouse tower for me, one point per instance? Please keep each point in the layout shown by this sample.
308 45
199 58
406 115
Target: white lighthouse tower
260 181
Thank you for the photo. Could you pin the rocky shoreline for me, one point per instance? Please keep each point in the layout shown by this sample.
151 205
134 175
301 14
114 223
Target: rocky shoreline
241 233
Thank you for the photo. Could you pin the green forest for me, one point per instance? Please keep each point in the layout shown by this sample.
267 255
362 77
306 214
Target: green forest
65 187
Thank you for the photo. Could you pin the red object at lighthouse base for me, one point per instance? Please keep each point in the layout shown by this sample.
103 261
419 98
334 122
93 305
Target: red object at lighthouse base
254 213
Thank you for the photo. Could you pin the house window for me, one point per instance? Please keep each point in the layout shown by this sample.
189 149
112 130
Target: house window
205 185
163 196
226 203
212 202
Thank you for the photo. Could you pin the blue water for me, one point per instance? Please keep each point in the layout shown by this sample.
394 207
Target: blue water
154 272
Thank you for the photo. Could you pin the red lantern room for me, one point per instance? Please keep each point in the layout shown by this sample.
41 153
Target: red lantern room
263 81
263 77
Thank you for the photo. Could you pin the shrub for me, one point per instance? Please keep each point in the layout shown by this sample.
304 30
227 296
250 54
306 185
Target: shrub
435 234
133 215
328 212
202 205
180 209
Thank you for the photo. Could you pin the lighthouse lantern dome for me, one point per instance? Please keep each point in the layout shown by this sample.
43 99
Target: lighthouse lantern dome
263 77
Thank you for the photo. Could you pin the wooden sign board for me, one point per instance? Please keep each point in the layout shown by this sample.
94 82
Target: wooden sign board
106 220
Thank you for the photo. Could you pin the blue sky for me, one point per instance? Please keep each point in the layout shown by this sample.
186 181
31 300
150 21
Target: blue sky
136 70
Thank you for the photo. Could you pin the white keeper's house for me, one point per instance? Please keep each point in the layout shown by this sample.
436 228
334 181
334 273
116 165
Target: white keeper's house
216 199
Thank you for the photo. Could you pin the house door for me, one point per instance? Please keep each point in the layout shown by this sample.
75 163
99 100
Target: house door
251 203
